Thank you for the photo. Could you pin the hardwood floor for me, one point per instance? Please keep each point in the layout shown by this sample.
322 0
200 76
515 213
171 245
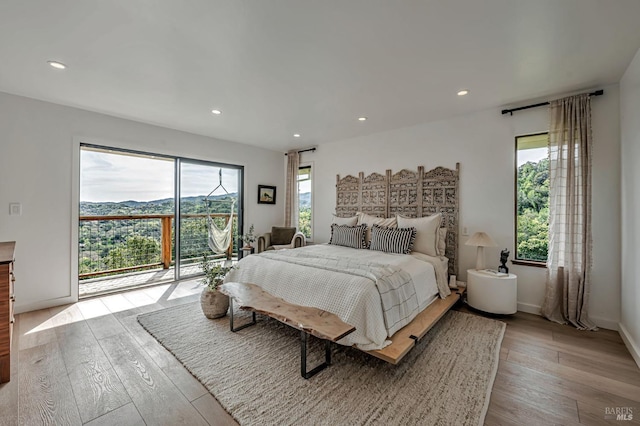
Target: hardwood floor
554 374
91 363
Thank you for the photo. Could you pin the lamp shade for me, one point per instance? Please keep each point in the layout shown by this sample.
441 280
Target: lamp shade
481 239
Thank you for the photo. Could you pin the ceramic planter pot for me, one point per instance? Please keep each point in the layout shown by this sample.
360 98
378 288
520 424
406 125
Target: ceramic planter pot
214 304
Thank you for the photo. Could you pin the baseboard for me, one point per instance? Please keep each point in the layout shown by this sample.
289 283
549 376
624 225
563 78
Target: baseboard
600 322
529 308
605 323
633 346
44 304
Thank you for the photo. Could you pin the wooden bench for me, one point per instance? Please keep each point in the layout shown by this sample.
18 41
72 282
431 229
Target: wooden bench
321 324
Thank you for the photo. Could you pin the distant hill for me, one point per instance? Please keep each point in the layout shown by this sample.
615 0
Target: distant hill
194 204
165 206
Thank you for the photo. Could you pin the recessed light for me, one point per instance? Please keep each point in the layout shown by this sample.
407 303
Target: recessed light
362 118
216 111
463 92
296 135
57 65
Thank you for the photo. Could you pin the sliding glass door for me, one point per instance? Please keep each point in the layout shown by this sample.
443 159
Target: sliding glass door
209 207
134 204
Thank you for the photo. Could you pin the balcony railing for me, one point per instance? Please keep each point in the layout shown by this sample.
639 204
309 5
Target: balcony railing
110 245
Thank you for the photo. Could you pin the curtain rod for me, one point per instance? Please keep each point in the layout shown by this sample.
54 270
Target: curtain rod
512 110
305 150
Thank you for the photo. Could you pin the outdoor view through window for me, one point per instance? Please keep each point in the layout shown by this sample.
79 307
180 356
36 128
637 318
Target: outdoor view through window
304 201
532 191
127 217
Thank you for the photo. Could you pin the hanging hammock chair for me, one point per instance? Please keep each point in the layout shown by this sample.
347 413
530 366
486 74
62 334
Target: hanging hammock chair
219 239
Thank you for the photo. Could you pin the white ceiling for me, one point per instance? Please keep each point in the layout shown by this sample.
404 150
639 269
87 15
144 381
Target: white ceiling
312 67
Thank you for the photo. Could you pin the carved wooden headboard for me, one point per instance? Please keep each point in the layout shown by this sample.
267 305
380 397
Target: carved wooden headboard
408 193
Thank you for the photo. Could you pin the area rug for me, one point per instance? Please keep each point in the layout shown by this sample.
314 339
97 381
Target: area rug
255 373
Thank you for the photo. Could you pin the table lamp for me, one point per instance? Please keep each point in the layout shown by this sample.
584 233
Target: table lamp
481 240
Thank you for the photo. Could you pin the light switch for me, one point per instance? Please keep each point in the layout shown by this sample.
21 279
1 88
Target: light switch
465 231
15 209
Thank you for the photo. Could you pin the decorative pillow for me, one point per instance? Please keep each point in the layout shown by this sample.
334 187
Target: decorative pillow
369 220
348 236
350 221
442 241
427 232
282 235
392 240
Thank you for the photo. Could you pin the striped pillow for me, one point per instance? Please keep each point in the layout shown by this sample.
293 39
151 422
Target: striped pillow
349 236
392 240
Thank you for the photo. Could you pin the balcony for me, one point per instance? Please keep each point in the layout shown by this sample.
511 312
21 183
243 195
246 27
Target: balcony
120 252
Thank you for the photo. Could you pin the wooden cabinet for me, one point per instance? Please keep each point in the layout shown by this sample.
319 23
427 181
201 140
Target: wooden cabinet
7 298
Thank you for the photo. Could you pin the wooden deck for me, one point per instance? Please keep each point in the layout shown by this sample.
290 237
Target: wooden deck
97 286
92 363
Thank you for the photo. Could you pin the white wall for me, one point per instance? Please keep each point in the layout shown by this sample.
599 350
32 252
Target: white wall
630 137
38 156
484 144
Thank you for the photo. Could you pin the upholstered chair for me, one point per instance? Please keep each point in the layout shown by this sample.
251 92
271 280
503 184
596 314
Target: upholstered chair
280 238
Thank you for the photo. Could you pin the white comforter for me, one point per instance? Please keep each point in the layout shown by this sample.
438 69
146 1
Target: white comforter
353 297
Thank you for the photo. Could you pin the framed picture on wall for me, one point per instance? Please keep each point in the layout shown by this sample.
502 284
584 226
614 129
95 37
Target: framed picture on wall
266 194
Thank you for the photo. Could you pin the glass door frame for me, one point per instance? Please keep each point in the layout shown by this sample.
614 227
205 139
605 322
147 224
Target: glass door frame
177 160
177 186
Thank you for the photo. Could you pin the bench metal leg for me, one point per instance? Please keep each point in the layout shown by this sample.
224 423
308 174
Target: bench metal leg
253 321
303 357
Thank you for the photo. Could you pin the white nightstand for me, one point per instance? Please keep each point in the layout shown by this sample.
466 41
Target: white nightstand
493 294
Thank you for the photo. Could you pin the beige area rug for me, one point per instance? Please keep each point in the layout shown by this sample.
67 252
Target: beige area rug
255 373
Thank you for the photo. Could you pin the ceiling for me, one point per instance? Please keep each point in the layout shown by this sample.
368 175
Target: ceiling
275 68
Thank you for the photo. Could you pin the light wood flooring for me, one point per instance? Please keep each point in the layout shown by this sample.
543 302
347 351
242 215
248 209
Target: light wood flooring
91 363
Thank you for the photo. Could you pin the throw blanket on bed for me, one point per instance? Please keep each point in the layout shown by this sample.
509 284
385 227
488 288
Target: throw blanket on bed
440 269
396 288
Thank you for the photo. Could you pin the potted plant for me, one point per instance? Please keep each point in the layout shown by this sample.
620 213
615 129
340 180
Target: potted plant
249 238
213 303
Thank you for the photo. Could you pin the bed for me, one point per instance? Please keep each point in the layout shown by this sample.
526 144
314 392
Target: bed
342 280
385 296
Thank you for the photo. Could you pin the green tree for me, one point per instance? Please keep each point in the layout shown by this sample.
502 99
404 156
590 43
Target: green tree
304 221
138 250
533 211
103 244
533 235
533 186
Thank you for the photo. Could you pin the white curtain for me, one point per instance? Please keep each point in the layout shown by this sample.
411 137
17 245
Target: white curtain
291 195
569 259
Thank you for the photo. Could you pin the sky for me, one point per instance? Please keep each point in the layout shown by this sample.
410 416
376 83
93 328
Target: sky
116 177
304 187
534 155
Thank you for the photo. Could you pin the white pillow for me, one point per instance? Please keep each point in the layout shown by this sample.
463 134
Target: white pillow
442 241
349 221
369 220
427 236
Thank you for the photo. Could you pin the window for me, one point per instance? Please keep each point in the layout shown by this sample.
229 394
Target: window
532 197
305 215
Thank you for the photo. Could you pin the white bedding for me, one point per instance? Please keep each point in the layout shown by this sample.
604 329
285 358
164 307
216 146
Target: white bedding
355 299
